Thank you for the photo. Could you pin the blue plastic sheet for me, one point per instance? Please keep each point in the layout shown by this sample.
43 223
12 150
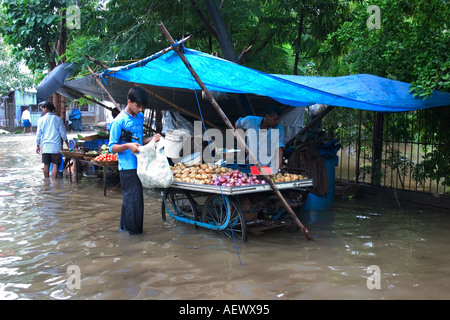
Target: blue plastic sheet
363 91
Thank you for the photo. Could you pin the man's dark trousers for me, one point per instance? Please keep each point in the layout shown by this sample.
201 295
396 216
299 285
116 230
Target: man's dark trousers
132 216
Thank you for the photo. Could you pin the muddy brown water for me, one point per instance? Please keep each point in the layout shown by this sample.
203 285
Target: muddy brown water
48 228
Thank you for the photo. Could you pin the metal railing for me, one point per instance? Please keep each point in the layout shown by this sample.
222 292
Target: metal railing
408 150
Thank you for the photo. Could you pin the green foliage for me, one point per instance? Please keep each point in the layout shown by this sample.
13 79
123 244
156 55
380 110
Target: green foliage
31 28
435 164
118 31
327 37
11 74
411 46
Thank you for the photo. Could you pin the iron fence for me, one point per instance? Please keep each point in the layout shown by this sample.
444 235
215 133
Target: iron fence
408 150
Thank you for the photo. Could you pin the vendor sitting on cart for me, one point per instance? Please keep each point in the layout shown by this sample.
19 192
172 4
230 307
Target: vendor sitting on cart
268 135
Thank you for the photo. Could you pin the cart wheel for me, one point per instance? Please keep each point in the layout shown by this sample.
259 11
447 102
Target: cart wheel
225 215
178 203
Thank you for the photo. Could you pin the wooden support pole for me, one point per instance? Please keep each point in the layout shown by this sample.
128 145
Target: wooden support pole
179 109
97 62
318 118
148 59
100 84
170 103
238 137
86 97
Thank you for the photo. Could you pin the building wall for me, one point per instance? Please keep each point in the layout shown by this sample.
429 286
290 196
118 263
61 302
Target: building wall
26 98
13 106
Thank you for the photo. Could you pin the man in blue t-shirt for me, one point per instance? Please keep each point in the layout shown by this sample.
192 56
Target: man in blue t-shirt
265 137
126 135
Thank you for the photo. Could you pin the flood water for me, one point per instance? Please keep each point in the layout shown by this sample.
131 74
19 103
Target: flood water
47 228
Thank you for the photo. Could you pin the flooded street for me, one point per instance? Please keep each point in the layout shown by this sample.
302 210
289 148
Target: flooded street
47 228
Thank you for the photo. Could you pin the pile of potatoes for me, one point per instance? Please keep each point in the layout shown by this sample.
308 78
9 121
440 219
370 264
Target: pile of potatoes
206 173
198 173
287 177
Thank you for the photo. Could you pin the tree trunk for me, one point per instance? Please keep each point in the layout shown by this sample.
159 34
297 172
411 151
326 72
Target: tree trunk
299 37
58 100
224 37
228 50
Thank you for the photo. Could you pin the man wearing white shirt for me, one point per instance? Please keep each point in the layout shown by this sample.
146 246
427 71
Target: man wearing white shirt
50 132
26 120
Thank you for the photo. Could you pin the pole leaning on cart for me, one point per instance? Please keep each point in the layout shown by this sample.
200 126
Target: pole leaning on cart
230 126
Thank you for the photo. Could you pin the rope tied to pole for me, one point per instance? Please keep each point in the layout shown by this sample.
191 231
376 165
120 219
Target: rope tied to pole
179 45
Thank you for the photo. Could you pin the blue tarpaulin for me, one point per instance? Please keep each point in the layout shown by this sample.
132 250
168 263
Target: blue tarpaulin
363 91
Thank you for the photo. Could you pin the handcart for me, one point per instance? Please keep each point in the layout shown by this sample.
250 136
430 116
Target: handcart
219 208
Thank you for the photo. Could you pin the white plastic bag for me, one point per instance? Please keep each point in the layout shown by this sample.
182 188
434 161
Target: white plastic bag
153 167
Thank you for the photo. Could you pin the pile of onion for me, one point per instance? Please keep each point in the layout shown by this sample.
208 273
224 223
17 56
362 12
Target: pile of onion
235 178
221 176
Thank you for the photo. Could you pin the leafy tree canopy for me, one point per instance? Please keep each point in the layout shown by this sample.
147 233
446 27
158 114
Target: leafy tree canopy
12 73
307 37
412 44
32 30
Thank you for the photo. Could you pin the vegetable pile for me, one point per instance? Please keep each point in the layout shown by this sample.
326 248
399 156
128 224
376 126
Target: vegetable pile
106 157
198 173
221 176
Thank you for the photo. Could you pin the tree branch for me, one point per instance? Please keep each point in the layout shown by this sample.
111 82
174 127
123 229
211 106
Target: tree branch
204 20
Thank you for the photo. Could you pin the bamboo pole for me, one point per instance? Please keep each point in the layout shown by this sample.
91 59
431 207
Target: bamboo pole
103 88
179 109
142 63
86 97
170 103
318 118
97 62
238 137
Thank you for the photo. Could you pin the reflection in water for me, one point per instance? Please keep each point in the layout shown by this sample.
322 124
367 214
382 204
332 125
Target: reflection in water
47 226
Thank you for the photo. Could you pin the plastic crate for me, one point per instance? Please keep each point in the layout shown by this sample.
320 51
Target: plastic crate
94 145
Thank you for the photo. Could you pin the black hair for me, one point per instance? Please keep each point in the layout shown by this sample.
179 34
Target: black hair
271 110
49 105
138 95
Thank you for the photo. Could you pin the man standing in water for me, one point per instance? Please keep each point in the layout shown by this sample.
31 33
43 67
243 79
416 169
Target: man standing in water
126 135
50 131
26 120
